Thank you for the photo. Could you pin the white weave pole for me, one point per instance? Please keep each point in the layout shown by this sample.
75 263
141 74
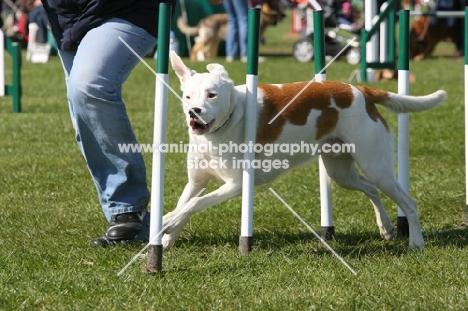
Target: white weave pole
372 46
403 118
248 174
2 63
155 248
326 210
383 36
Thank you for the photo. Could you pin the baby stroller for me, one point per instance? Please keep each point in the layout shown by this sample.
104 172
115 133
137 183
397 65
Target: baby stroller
337 35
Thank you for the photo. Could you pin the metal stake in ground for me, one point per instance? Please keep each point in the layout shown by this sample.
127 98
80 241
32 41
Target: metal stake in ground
155 249
403 118
248 177
326 221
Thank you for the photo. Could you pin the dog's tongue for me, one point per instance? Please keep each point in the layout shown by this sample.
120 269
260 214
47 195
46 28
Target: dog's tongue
195 124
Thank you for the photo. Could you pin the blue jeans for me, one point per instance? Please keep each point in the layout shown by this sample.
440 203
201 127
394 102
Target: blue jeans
236 41
94 74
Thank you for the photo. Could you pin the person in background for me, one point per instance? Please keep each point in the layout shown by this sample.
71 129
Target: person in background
96 63
237 29
236 41
37 15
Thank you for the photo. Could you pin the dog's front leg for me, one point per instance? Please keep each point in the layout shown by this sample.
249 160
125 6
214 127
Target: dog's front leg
180 216
191 190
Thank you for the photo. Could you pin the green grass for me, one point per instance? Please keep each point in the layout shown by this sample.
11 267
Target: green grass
49 212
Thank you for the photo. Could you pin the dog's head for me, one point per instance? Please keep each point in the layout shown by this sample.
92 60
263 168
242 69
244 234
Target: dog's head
272 13
208 98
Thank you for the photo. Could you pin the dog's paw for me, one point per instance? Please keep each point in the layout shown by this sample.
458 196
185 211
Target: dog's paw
416 244
387 233
168 241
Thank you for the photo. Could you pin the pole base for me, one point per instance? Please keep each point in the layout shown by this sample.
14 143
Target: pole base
245 244
154 263
327 233
402 227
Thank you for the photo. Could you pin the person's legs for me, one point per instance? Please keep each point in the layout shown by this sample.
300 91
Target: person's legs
95 74
242 8
232 40
39 16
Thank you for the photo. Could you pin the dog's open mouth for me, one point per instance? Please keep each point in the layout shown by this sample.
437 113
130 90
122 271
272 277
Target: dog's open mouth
200 128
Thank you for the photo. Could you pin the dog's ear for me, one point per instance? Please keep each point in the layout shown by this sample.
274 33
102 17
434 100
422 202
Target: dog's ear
182 71
218 69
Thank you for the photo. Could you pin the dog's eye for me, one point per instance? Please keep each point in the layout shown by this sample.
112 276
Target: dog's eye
212 95
187 97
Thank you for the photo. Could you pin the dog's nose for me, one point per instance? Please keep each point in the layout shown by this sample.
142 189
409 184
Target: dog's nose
194 112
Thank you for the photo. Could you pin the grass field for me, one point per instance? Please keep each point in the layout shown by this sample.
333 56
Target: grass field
49 212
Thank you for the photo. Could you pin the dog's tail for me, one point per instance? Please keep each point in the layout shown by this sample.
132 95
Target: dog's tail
403 103
185 28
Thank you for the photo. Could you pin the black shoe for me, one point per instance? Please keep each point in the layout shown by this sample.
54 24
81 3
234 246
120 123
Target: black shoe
122 228
104 241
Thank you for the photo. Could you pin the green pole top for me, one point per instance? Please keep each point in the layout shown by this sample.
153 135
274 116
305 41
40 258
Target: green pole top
403 49
253 41
466 35
164 29
319 42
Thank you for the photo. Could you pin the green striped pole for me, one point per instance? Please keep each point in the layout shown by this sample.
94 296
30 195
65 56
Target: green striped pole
326 216
466 110
155 249
363 46
319 46
403 118
248 177
13 89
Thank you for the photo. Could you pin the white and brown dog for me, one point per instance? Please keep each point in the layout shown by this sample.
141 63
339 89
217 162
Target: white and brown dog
325 112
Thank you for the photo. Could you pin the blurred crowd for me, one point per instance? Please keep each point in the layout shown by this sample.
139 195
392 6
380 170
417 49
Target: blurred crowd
17 15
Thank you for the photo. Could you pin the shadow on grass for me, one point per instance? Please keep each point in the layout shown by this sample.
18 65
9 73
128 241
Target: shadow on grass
352 244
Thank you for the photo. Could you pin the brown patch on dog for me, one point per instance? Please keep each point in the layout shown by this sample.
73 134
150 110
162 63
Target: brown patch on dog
327 121
373 96
318 96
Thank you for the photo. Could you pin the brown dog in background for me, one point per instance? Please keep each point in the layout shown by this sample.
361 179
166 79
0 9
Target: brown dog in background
209 31
424 37
213 28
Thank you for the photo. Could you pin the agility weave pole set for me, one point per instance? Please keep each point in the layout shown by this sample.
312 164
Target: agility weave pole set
155 248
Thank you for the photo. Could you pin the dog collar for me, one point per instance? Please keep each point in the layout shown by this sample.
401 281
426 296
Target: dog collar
229 117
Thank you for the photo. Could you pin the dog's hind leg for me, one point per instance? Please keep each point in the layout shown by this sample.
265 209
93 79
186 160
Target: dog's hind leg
377 166
392 188
213 50
343 171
